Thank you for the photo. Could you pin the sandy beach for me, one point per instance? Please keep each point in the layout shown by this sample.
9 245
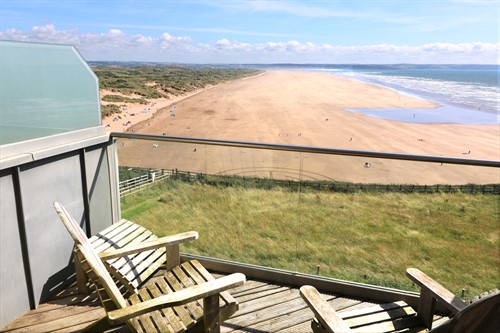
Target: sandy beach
134 113
308 109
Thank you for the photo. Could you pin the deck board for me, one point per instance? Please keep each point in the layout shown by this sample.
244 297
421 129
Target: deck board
264 307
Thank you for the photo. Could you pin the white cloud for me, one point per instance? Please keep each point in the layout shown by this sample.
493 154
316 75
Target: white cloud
141 40
46 33
118 45
115 32
111 39
225 44
167 41
13 34
462 47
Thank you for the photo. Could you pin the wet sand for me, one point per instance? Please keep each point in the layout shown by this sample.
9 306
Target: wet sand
307 109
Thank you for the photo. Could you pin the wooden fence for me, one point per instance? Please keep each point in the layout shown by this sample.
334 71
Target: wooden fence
136 184
355 187
147 178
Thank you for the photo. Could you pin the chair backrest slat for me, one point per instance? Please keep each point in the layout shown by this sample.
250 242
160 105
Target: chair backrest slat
83 244
480 316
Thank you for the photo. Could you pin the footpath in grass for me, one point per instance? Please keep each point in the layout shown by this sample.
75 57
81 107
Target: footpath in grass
364 237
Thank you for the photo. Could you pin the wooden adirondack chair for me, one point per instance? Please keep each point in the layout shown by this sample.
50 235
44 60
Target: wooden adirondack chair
481 316
186 297
134 269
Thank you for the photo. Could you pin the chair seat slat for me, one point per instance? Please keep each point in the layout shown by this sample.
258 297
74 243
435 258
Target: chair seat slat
194 308
180 310
174 321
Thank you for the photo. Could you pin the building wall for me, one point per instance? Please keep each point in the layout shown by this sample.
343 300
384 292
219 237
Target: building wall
36 249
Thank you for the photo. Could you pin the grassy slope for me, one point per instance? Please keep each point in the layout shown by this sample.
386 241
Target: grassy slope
363 237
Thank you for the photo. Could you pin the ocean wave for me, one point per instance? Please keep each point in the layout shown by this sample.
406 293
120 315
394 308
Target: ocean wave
464 94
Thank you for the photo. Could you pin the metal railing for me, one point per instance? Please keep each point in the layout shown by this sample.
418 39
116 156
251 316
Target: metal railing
314 150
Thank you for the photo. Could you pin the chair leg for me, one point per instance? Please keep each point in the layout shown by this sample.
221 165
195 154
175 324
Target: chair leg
426 307
81 277
211 314
173 257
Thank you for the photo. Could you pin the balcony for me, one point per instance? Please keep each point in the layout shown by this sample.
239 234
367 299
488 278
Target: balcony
276 266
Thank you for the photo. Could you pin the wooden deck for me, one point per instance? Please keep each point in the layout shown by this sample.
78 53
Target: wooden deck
264 307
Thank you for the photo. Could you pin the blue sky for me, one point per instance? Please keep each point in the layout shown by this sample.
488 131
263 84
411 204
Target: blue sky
267 31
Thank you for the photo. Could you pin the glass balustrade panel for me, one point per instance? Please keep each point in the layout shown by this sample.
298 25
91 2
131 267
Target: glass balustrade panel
353 218
45 89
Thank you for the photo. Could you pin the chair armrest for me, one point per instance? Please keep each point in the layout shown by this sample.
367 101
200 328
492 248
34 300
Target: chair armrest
440 293
430 292
149 245
180 297
327 317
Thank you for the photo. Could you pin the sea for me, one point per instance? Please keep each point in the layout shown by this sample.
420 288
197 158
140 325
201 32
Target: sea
465 94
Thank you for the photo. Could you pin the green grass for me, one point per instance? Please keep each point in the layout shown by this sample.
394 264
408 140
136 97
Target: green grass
169 80
109 109
364 237
118 99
